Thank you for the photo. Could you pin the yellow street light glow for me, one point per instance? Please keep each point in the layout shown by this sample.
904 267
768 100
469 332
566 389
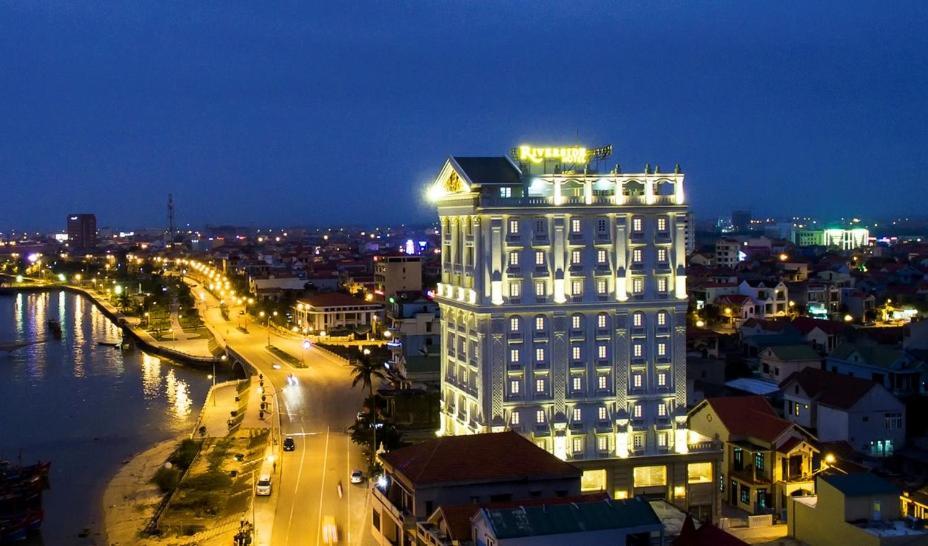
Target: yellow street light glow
848 318
433 194
829 459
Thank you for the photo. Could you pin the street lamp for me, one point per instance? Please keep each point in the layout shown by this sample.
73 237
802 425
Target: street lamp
303 353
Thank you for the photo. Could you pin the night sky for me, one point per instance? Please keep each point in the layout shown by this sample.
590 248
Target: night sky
340 112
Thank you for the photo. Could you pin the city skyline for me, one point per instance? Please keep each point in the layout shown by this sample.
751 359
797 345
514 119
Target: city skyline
229 109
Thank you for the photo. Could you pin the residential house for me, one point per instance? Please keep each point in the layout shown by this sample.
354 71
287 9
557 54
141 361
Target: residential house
779 361
765 459
735 309
455 470
274 288
824 335
852 509
841 408
771 298
889 365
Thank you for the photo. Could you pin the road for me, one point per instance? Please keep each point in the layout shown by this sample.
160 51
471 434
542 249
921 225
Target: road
315 411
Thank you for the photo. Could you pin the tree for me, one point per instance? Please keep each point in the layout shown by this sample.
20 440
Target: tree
364 372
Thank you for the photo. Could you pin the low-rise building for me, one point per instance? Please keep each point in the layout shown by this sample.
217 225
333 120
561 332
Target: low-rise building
889 365
780 361
860 509
396 273
727 252
771 299
843 408
317 313
272 289
765 459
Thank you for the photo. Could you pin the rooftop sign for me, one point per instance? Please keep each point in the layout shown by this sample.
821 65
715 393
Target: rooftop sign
565 154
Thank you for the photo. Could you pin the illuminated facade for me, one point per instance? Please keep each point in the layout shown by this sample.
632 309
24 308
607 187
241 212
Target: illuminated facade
563 303
844 239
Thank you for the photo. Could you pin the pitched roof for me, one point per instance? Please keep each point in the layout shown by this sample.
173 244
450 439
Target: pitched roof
706 535
829 388
488 459
860 485
526 521
807 324
881 356
489 170
749 416
799 351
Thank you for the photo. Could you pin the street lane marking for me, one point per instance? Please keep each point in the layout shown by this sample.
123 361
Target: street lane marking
299 474
350 485
325 460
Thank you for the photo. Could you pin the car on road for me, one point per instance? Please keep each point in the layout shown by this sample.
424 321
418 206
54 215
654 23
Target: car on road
329 530
291 379
289 444
357 476
263 486
276 365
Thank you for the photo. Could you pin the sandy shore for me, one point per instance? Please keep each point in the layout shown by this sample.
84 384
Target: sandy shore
130 498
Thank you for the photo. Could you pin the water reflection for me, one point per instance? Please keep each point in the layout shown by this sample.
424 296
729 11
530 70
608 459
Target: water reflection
151 376
178 397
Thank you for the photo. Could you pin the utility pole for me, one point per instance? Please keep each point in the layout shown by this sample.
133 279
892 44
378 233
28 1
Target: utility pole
169 235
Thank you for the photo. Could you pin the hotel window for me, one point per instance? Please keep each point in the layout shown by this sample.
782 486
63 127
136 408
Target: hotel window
505 191
661 409
662 255
515 289
638 319
650 476
601 256
514 356
636 225
636 380
638 411
539 257
601 286
539 323
515 418
637 441
638 285
540 228
661 223
661 439
637 256
575 352
540 289
576 383
601 352
662 349
514 324
576 322
662 318
578 444
637 350
513 227
601 383
759 462
540 354
575 225
661 379
539 416
575 257
514 386
601 320
662 284
577 415
602 443
602 225
539 385
513 259
699 473
602 414
576 287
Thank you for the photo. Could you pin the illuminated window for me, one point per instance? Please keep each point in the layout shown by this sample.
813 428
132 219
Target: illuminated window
515 289
514 324
576 257
601 382
539 257
661 439
637 285
602 413
601 352
539 416
539 385
636 225
637 256
577 383
601 320
662 284
577 415
575 352
593 480
636 380
577 442
514 356
661 223
602 443
637 350
575 225
539 323
513 259
662 255
661 379
515 418
576 287
575 322
540 289
637 441
650 476
638 411
661 409
699 473
638 319
661 349
601 286
513 227
662 318
601 256
514 386
505 191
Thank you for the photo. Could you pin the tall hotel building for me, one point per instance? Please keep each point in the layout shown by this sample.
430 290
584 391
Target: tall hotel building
563 304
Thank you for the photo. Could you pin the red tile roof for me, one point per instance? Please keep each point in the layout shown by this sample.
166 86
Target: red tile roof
830 389
492 457
749 416
807 324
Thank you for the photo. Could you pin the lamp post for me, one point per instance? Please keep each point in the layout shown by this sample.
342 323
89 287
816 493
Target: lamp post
303 353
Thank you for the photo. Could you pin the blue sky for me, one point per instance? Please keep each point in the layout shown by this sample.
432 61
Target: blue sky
303 113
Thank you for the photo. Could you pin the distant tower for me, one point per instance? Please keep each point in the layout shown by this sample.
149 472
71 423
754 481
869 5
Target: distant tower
170 233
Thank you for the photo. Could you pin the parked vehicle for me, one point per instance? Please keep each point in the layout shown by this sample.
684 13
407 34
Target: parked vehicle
289 444
263 486
357 476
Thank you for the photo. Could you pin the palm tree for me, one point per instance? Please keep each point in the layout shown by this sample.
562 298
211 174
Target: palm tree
364 371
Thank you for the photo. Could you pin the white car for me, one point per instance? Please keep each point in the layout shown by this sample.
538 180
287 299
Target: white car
263 486
357 476
276 365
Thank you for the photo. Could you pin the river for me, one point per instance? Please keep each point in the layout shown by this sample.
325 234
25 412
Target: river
84 406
